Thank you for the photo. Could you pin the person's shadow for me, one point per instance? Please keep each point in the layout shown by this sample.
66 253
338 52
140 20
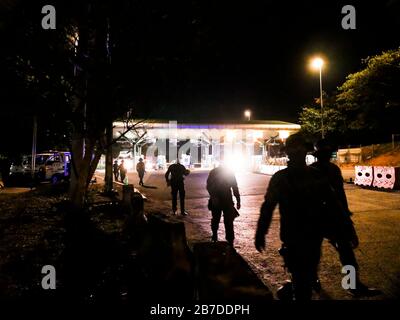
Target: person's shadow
149 187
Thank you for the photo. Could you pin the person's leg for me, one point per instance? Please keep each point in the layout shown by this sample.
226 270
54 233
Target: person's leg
141 178
303 265
215 219
346 254
347 257
174 193
228 222
182 198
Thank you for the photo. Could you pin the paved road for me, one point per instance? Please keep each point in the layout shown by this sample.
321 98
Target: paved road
376 216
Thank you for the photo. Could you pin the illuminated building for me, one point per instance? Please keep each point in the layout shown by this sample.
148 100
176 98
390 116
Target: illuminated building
203 145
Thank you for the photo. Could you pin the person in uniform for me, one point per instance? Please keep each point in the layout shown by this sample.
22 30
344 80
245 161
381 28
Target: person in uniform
116 170
140 168
177 172
221 183
323 152
122 171
307 205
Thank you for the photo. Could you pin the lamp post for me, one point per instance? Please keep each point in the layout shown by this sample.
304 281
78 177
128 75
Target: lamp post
317 64
247 114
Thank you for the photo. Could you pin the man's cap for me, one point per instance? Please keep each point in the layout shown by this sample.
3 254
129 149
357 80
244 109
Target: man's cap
297 140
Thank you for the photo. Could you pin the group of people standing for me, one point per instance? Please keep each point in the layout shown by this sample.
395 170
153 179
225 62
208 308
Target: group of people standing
120 171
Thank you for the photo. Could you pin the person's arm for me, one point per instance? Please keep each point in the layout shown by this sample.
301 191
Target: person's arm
167 174
340 191
267 209
210 183
236 193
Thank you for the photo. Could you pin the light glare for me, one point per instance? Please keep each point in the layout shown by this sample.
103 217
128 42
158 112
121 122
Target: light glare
317 63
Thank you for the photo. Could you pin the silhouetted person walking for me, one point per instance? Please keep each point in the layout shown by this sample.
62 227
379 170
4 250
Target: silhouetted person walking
178 173
344 247
307 205
122 171
220 184
116 170
140 168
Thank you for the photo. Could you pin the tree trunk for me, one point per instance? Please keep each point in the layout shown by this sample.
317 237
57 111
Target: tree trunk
93 166
109 160
81 169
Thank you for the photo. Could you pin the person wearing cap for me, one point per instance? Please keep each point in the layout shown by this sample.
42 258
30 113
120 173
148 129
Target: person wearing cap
177 172
140 168
122 171
116 170
307 204
323 153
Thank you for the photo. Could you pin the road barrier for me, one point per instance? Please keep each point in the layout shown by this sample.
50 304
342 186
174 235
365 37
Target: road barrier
377 176
364 175
386 177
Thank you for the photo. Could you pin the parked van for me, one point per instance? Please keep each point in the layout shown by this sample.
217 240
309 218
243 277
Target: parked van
52 165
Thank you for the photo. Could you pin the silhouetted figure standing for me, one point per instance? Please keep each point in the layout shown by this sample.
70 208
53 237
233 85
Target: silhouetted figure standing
178 173
140 168
122 171
116 170
220 184
344 247
307 204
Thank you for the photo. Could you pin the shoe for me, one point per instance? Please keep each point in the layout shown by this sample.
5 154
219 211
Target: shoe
362 290
214 238
174 212
184 213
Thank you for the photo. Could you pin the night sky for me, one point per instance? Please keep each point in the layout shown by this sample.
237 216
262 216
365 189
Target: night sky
260 52
221 57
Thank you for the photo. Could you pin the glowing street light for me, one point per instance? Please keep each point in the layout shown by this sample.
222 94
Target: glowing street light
247 114
317 64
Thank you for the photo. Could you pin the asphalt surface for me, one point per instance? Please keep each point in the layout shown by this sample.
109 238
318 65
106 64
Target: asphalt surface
376 215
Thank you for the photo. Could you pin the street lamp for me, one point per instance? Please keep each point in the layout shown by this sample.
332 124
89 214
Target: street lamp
247 114
317 64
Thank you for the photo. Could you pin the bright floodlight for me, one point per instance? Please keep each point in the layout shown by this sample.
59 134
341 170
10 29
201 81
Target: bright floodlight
230 135
317 63
247 114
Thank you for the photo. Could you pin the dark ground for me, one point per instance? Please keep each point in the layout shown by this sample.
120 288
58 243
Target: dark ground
96 257
376 215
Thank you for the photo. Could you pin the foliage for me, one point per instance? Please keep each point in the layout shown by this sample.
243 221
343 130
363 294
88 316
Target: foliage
370 98
310 117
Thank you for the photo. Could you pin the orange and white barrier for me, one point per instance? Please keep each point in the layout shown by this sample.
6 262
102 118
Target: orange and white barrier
386 177
364 175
